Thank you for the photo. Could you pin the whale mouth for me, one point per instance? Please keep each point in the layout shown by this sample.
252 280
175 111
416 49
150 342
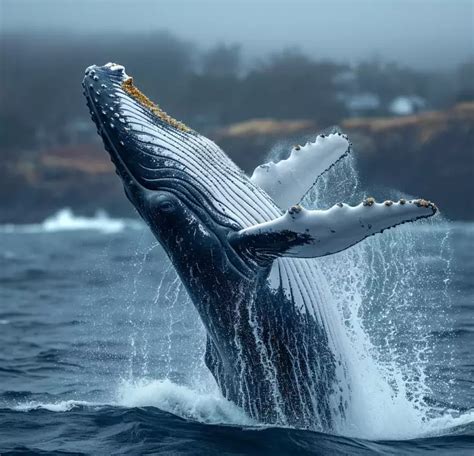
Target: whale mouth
152 151
124 116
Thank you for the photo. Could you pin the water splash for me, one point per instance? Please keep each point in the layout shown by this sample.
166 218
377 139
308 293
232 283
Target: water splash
167 338
386 307
182 401
390 303
138 324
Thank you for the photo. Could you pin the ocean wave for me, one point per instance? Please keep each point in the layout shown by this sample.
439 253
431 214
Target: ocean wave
60 406
148 430
66 220
210 408
165 395
450 424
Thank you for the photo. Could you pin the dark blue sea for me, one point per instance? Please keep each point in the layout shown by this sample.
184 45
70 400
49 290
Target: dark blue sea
101 351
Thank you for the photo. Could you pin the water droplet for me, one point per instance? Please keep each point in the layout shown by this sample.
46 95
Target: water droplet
96 78
103 86
112 125
117 115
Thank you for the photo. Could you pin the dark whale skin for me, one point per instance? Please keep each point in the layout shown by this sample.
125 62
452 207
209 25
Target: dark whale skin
267 356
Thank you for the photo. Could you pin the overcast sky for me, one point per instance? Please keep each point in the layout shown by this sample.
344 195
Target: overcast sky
420 33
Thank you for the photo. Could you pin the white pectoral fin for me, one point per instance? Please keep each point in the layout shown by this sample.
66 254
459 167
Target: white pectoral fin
307 234
289 180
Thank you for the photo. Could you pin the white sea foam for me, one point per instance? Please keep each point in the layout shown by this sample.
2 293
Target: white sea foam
387 300
447 424
66 220
60 406
212 408
205 407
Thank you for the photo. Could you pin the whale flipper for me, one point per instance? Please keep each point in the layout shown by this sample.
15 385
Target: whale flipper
289 180
314 233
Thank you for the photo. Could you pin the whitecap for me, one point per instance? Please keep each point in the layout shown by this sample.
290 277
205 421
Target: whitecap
66 220
210 408
60 406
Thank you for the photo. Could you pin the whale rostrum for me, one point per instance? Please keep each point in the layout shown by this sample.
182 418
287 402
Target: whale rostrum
244 249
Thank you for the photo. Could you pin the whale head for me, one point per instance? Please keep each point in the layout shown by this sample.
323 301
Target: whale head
172 186
132 127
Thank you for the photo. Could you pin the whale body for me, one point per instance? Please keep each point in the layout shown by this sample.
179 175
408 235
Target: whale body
245 258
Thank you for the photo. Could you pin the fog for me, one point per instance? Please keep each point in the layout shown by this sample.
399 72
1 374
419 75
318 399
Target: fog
421 34
278 71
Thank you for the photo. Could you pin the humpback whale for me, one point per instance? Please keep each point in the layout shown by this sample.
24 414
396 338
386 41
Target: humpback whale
244 248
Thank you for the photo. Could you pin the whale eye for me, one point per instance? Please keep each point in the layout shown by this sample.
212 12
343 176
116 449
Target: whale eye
166 206
163 203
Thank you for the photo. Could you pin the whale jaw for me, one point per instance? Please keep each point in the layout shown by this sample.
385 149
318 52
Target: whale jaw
122 114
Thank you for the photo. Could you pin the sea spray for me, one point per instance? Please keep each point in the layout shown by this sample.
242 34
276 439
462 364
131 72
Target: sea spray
166 328
388 301
182 401
379 302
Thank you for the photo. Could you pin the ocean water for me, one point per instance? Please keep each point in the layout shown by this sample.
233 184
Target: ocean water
101 351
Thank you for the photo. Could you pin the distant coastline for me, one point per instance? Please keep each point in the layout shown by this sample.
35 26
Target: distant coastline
429 154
